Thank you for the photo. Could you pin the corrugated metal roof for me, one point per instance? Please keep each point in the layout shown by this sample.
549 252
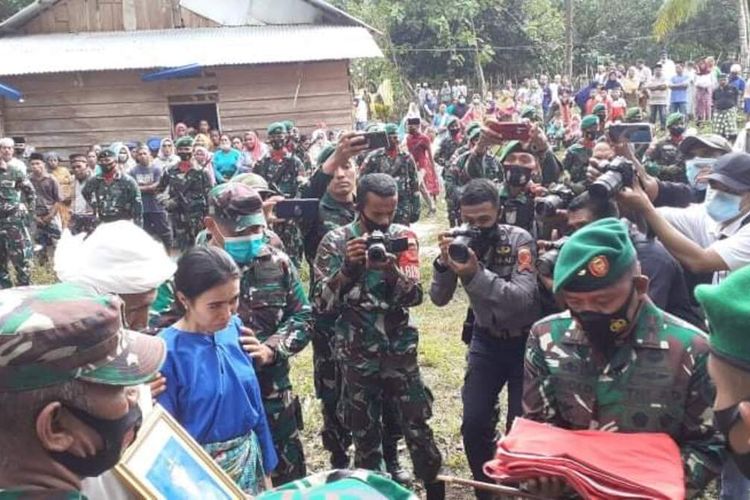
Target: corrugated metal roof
65 52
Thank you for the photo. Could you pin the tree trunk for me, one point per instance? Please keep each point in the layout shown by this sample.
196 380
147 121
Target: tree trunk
569 38
478 64
743 15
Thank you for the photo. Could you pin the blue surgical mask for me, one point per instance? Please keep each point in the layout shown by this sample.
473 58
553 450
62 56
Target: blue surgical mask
694 167
722 206
244 249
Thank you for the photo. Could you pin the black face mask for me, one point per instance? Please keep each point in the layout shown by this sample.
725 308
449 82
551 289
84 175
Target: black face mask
107 167
112 433
278 143
516 176
724 420
372 225
184 156
589 135
602 329
677 130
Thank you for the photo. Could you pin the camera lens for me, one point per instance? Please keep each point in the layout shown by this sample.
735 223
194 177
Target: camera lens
607 185
376 253
458 251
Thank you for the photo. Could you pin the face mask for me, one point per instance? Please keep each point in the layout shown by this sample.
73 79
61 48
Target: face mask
278 143
603 328
184 156
372 225
724 420
111 432
589 135
722 206
107 167
244 249
693 167
677 130
516 176
122 158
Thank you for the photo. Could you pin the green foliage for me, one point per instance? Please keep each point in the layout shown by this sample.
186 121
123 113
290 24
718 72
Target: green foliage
10 7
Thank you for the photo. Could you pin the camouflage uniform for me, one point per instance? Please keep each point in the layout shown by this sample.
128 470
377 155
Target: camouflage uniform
656 381
518 211
377 348
15 241
665 161
403 169
188 201
304 157
118 199
286 176
445 152
274 305
575 163
465 167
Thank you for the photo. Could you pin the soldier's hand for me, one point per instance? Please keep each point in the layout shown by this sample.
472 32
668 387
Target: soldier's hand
444 241
260 352
268 209
356 257
593 171
158 385
537 139
468 270
547 487
350 145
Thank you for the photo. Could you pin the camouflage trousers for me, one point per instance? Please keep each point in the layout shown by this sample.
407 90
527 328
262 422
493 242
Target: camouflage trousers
15 245
291 236
395 377
186 227
284 415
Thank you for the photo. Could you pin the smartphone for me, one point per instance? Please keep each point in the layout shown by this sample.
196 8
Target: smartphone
302 208
414 121
376 140
635 133
510 131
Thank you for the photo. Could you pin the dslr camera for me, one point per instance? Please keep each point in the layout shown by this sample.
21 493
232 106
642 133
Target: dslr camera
379 245
545 264
618 174
558 197
463 239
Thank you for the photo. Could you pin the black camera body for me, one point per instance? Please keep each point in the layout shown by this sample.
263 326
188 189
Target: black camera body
463 239
618 174
558 197
379 245
545 264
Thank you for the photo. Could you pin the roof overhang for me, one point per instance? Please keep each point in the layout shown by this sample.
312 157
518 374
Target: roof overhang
101 51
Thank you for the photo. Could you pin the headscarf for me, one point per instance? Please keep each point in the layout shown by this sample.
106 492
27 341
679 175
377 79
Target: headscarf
116 147
118 257
204 139
257 151
209 155
162 156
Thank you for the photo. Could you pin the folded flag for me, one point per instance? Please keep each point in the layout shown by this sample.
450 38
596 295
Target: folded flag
596 464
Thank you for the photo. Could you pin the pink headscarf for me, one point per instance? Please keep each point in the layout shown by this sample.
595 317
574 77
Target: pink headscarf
257 150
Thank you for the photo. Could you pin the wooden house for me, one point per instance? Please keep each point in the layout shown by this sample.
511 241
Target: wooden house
78 72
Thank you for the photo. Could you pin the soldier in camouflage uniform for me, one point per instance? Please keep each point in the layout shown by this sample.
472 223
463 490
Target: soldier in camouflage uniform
663 158
500 279
188 184
600 111
334 183
274 305
17 202
450 143
112 194
401 167
475 163
67 365
285 173
616 364
577 156
374 340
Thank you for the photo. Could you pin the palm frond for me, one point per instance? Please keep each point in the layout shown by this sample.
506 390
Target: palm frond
673 13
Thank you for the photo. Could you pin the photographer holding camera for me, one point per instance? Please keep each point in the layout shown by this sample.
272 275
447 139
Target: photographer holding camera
495 263
367 273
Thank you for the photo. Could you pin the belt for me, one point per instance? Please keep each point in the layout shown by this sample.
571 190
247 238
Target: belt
503 333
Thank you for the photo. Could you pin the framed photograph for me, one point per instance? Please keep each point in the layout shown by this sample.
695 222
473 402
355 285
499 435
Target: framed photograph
165 463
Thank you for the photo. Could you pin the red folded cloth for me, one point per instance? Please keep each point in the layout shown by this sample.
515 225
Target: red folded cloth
596 464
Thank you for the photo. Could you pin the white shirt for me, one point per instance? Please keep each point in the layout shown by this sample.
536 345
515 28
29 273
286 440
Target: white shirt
80 207
362 111
731 242
18 164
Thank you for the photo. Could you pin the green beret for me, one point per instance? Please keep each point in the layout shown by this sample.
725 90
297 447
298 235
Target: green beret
276 128
674 118
599 108
596 256
510 147
473 133
589 121
634 115
728 312
184 142
451 120
472 127
326 153
528 112
391 128
288 125
373 127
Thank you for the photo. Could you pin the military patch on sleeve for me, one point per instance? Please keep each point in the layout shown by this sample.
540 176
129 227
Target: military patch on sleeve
525 260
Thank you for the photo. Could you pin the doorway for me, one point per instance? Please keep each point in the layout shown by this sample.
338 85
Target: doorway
192 114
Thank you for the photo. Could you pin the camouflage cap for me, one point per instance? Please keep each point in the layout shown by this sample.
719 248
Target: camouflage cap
595 257
237 203
255 181
184 142
589 121
673 118
276 128
634 115
54 334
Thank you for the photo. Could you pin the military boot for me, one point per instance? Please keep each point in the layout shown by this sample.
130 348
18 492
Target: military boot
435 490
392 465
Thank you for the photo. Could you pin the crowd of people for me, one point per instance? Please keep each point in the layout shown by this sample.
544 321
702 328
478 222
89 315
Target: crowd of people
593 278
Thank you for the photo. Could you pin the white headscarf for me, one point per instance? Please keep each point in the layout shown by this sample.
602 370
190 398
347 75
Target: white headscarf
118 257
